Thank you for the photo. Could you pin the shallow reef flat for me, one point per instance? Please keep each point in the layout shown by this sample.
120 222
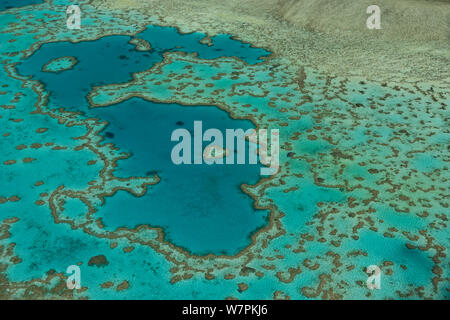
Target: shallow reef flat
363 176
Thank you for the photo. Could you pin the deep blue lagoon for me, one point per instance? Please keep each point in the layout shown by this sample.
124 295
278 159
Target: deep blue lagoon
200 207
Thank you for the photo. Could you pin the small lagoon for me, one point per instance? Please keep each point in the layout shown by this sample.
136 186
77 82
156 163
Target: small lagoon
200 207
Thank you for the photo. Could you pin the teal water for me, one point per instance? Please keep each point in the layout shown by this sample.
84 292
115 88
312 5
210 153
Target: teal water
200 207
358 185
113 60
95 61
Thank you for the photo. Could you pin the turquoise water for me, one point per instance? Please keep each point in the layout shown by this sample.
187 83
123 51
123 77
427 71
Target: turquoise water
358 185
8 4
